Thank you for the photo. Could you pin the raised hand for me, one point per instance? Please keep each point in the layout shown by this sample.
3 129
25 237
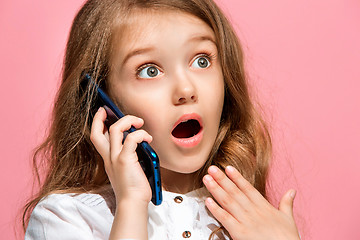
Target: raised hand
131 187
244 212
120 159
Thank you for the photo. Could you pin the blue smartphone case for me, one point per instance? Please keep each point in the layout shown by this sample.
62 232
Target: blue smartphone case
148 158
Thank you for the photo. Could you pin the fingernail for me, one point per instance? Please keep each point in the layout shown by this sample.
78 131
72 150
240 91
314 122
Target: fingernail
230 168
212 169
207 178
209 201
293 194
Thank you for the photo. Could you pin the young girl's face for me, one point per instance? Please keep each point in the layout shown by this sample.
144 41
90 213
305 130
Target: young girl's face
165 70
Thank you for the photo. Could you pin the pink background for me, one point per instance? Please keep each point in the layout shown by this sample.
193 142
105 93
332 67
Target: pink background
303 59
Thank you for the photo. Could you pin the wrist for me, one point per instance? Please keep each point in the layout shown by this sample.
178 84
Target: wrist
134 204
130 220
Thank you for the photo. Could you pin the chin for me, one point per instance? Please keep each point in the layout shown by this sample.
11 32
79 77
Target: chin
184 168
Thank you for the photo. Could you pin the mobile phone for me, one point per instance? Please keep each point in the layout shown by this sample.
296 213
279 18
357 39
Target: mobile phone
148 158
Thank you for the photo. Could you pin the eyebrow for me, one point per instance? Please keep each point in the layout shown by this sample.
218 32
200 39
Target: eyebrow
202 38
140 51
137 52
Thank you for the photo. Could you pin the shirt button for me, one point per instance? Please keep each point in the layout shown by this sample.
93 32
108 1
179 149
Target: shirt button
186 234
178 199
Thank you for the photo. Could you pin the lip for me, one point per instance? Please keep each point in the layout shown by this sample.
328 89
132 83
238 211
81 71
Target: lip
194 140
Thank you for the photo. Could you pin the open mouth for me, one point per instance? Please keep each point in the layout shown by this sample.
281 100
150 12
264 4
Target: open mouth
187 129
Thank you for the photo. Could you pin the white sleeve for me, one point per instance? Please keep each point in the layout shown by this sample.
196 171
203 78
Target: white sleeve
63 216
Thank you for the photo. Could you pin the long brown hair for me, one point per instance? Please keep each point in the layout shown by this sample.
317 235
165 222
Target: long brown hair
67 156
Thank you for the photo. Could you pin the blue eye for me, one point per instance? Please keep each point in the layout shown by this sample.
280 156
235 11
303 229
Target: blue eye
149 72
201 62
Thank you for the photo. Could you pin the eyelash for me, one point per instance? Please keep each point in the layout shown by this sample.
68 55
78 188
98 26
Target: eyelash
145 65
207 55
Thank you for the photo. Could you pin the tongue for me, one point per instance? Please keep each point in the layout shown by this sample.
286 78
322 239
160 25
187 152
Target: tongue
186 129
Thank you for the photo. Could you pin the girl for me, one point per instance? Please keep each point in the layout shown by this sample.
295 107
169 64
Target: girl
176 68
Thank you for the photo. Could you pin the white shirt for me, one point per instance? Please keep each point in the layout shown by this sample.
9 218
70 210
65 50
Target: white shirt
90 216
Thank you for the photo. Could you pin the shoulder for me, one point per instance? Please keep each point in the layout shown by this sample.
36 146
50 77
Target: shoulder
73 204
70 213
71 199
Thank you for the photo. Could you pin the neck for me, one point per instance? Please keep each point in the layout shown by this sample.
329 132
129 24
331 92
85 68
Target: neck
177 182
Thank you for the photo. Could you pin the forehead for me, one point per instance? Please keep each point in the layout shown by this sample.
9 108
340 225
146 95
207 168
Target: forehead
145 27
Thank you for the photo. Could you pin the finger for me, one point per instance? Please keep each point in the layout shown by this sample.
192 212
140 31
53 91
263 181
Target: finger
229 186
116 133
247 188
97 135
223 198
226 219
287 203
131 142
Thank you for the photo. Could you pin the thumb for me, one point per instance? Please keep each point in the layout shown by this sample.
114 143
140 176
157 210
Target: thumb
287 202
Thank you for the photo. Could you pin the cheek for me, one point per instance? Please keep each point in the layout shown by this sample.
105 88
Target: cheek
214 86
149 108
219 93
213 96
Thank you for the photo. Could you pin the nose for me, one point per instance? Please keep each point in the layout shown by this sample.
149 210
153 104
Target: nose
184 91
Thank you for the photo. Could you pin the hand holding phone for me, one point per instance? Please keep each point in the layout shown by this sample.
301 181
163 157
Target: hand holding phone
148 158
